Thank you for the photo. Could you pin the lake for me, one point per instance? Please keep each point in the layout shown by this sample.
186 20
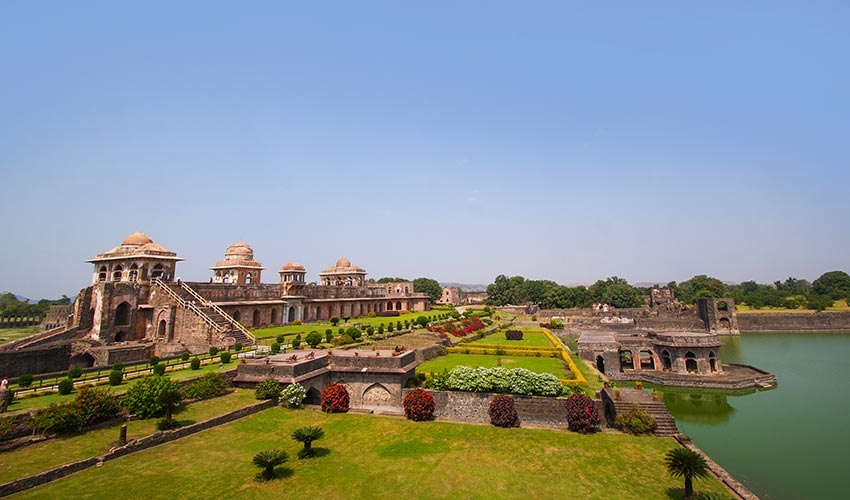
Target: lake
784 443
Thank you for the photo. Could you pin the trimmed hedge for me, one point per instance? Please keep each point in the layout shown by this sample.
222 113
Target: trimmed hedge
500 380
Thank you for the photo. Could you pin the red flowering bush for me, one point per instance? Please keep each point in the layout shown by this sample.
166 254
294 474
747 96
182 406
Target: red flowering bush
335 399
582 415
503 412
466 327
90 406
419 405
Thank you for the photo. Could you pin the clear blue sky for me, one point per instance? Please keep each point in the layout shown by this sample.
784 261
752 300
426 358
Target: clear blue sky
454 140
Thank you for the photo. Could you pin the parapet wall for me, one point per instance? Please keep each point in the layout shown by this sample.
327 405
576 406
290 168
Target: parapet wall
816 321
37 360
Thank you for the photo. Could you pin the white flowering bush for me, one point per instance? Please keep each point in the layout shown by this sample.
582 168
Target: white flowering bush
502 380
293 395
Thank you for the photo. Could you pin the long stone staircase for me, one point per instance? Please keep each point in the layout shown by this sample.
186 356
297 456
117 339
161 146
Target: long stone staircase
213 315
665 422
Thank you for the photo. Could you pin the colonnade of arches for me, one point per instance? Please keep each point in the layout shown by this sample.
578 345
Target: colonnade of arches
646 360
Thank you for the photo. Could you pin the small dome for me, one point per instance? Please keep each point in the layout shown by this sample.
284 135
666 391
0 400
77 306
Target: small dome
137 239
153 247
343 262
239 250
292 266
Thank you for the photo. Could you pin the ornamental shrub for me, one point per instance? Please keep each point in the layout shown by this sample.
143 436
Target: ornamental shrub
293 395
167 424
153 360
335 399
297 322
341 331
56 419
184 356
314 339
274 348
195 363
118 366
267 389
513 335
75 373
225 357
237 347
422 321
581 414
354 333
95 405
66 385
503 412
116 377
398 325
371 314
636 421
210 385
390 328
419 405
142 397
334 321
329 335
370 331
381 329
279 339
159 369
515 381
213 350
25 380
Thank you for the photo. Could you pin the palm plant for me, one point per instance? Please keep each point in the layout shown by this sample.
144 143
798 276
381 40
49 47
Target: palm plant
682 462
268 460
307 435
170 399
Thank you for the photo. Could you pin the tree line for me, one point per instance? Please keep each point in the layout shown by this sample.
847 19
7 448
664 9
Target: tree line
791 293
10 305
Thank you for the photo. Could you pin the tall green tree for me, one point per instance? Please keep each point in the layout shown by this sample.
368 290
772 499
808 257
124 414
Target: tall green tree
682 462
700 286
429 286
835 284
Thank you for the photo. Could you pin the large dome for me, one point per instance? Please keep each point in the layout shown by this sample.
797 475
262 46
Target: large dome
240 250
343 262
137 239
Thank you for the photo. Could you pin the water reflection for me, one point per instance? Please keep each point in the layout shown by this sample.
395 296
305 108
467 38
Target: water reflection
699 407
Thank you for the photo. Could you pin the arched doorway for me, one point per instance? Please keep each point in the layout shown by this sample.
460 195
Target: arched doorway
255 320
666 360
160 331
237 316
84 360
647 361
314 397
626 360
122 314
690 362
398 306
121 336
389 306
291 314
274 316
725 324
600 364
712 361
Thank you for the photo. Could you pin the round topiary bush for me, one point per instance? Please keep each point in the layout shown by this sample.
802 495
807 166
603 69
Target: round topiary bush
581 414
419 405
237 347
153 360
503 412
118 366
195 363
159 369
225 357
636 421
213 350
185 356
274 348
279 339
75 373
314 339
66 385
116 377
267 389
25 380
335 399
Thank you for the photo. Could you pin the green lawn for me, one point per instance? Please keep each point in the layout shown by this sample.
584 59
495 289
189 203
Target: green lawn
590 374
529 339
10 334
837 306
52 453
365 456
44 400
539 365
290 331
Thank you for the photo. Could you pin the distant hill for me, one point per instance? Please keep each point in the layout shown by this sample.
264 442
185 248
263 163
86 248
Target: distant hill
19 298
465 287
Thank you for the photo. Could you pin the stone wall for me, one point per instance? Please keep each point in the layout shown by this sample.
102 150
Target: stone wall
474 407
815 321
36 360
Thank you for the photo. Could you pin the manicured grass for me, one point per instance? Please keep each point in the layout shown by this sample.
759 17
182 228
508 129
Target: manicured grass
364 456
837 306
530 339
47 399
52 453
539 365
10 334
590 374
289 331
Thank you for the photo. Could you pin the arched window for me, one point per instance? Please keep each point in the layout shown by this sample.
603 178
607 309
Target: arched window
116 273
626 360
291 314
666 360
255 320
691 362
647 362
389 306
398 306
722 306
248 278
712 361
227 278
122 314
101 273
158 271
160 331
133 275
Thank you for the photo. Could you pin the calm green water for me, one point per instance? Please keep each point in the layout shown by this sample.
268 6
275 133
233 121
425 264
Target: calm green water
791 442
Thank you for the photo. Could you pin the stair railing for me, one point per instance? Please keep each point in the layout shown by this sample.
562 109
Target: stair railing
239 326
186 305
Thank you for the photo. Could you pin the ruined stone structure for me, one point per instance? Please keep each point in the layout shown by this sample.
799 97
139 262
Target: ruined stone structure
719 315
451 296
57 316
135 307
374 379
